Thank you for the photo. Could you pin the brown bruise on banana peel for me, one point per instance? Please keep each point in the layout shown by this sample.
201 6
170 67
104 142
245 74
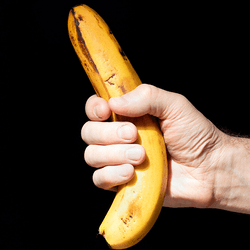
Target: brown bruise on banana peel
82 43
109 80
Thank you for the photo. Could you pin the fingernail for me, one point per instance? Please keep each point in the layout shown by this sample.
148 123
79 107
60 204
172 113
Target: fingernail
119 101
96 112
134 154
125 132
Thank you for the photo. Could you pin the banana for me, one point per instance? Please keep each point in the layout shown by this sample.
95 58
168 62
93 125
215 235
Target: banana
137 203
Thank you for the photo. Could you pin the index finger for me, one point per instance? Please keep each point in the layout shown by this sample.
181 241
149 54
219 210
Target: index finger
97 109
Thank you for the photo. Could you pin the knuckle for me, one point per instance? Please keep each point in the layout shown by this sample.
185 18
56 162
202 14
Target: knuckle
146 90
88 157
96 179
151 93
181 99
106 179
97 109
102 179
90 100
84 131
89 106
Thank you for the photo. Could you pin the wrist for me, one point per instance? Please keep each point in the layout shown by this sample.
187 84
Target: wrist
232 178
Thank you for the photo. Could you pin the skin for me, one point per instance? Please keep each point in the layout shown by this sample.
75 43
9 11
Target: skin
207 168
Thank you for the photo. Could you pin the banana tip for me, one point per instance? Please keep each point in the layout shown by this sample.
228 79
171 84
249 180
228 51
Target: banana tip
102 240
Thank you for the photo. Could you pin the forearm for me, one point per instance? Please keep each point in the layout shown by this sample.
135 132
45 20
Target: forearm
232 181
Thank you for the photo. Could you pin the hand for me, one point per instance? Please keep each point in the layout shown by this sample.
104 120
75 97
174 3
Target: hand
194 144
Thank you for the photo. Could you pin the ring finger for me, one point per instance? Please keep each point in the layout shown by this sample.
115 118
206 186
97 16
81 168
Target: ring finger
99 156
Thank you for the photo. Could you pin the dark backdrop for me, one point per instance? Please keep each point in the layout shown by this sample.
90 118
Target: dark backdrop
47 198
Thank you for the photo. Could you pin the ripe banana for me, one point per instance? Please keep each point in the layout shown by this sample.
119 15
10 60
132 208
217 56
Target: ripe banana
137 203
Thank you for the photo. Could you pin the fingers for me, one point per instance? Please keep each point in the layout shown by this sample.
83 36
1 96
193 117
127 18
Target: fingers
111 176
99 156
97 109
104 133
109 147
118 161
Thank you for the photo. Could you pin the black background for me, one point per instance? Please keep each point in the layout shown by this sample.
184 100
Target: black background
47 198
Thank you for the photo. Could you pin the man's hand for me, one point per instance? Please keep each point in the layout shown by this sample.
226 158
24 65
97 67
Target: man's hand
193 143
207 168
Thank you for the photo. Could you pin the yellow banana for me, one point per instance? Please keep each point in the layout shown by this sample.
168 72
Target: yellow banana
137 203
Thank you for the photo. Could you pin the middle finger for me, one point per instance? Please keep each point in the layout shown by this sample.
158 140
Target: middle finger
105 133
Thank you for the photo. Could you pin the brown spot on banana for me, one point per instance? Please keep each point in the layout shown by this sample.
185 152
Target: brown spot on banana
127 219
124 91
123 54
80 17
108 80
110 32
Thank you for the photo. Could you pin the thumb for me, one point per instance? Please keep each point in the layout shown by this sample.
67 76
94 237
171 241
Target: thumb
145 99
